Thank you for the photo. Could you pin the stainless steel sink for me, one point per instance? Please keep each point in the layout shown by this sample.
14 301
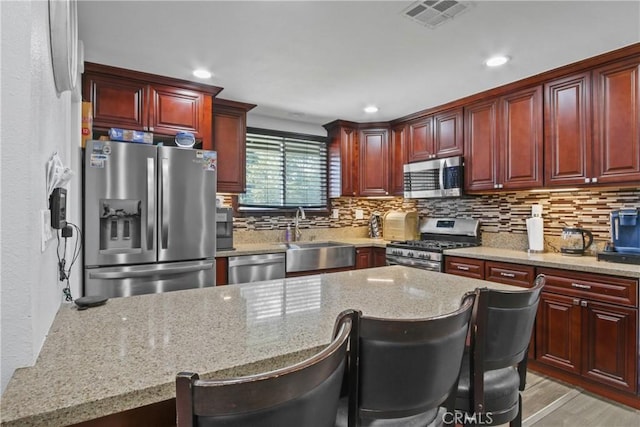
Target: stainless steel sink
307 256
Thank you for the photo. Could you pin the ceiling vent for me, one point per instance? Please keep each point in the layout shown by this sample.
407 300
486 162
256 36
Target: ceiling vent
436 12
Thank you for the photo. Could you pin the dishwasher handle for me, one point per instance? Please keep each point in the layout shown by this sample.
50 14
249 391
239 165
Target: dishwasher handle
243 261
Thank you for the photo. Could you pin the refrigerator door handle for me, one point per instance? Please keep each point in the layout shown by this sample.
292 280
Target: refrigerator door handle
150 272
151 203
164 200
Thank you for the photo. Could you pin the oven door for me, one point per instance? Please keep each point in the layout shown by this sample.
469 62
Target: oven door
414 262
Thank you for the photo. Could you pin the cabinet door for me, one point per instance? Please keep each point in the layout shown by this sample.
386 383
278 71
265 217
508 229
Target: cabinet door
481 146
448 133
559 332
467 267
222 264
374 162
617 122
610 345
363 258
567 126
229 135
342 160
116 102
174 110
379 257
421 146
521 139
398 158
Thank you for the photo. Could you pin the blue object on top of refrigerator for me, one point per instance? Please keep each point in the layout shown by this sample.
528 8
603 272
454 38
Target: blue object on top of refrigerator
149 218
625 230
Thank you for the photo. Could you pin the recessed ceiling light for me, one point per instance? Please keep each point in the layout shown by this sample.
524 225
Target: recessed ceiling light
371 109
202 74
496 61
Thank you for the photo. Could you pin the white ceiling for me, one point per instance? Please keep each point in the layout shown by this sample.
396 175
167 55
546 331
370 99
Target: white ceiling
317 61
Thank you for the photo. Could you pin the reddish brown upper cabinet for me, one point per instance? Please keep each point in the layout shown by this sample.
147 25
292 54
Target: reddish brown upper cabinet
229 140
147 102
343 145
616 125
373 177
398 153
567 124
503 142
438 135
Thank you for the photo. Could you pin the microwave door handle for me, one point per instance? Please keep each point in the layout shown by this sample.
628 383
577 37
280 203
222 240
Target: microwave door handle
164 200
441 176
151 202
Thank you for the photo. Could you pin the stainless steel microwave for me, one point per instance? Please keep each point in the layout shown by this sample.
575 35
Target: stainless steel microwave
434 178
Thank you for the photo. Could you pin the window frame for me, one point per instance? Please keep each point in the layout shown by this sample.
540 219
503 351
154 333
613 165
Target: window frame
276 210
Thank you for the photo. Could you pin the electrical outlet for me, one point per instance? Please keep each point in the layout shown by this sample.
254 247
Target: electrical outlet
45 224
335 213
359 214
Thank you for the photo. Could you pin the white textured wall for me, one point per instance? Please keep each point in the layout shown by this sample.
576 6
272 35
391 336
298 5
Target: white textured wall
265 122
35 122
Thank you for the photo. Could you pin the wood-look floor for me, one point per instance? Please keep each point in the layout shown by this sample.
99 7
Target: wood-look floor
549 403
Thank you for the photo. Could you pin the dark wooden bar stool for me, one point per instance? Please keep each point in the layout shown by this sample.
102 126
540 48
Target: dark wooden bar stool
402 371
494 367
305 394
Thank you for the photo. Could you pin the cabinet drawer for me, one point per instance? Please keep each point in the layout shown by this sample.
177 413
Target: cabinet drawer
618 290
467 267
509 274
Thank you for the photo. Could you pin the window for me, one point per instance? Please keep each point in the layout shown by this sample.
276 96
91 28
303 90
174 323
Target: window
285 170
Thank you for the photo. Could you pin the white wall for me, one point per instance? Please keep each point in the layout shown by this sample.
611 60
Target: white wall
265 122
34 122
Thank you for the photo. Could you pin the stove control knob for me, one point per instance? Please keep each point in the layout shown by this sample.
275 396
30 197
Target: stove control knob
410 254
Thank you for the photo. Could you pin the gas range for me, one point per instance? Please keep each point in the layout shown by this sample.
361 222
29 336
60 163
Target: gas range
437 234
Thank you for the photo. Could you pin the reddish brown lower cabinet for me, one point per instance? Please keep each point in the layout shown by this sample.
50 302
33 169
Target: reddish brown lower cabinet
379 257
222 265
467 267
370 256
363 258
510 274
587 325
559 332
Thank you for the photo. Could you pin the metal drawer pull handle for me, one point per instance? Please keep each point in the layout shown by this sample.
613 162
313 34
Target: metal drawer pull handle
462 267
507 274
581 286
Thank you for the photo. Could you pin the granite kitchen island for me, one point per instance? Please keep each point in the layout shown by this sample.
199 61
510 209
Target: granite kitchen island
125 354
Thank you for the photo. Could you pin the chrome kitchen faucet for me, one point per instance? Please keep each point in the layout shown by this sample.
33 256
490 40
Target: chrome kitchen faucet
297 234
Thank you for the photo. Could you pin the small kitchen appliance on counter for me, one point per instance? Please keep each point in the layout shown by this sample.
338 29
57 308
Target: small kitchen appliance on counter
400 225
436 235
575 242
535 230
625 237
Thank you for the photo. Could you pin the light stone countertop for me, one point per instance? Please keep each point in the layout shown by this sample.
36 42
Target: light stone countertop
125 354
587 264
275 247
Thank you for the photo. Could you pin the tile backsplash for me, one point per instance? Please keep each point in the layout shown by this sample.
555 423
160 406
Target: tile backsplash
502 216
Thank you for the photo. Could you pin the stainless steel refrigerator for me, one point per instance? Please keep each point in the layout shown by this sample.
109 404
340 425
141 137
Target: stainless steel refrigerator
149 218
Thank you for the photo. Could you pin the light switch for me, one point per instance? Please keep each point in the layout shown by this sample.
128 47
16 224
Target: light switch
335 213
359 214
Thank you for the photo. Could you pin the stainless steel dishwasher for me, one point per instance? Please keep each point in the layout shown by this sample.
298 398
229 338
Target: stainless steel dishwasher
253 268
